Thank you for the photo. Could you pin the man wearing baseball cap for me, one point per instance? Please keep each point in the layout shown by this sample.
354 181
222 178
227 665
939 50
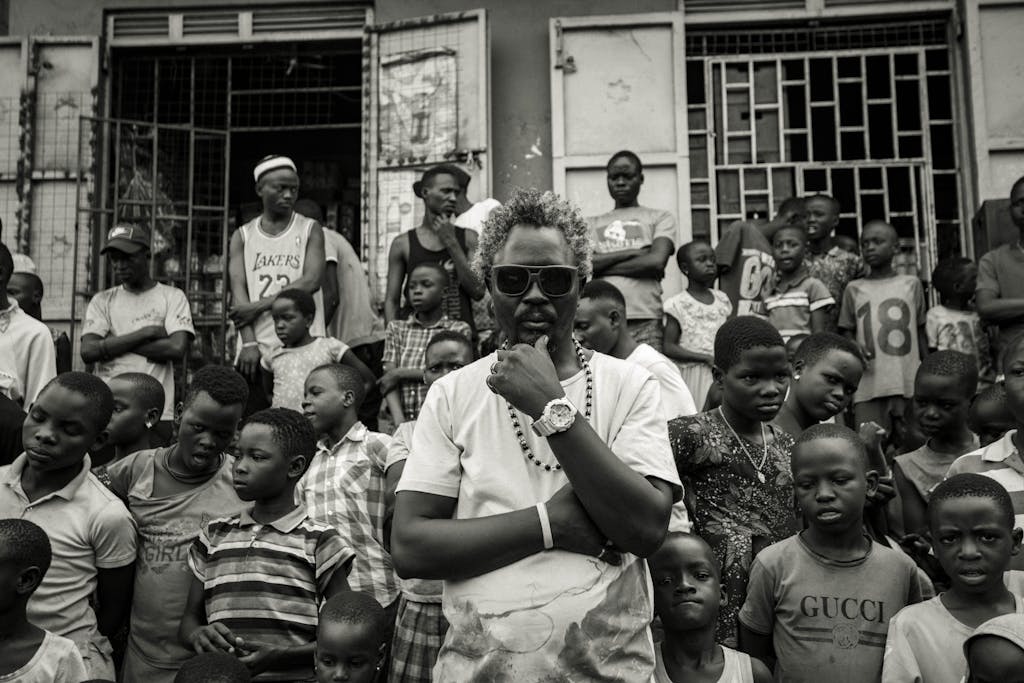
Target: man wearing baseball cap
139 325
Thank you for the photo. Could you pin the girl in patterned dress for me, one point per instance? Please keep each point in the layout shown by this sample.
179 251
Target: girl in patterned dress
733 464
693 316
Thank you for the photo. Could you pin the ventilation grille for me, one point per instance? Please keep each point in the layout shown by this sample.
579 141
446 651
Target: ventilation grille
698 6
139 25
291 20
200 26
209 23
812 39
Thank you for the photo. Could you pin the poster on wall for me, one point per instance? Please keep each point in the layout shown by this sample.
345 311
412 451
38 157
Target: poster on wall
398 210
418 107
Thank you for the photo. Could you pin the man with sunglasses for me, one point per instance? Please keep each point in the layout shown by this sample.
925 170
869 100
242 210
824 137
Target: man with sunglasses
538 477
632 245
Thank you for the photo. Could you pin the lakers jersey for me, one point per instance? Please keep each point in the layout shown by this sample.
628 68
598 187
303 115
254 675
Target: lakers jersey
272 264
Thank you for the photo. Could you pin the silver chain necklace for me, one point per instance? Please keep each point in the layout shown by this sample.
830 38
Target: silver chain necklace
764 440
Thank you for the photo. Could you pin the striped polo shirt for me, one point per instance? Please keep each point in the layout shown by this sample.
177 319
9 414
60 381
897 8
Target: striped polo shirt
265 582
1001 461
792 301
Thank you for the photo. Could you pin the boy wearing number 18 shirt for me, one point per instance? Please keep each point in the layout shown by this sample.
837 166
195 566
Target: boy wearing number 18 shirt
885 313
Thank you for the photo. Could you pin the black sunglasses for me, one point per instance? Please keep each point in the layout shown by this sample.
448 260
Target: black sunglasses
554 281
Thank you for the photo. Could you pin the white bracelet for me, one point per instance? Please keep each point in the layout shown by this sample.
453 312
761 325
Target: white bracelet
249 345
545 526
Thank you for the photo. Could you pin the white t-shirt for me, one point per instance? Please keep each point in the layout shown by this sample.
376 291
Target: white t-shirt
676 399
272 264
554 613
56 661
116 311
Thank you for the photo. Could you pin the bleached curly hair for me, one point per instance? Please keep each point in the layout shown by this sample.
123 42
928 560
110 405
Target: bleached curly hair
532 207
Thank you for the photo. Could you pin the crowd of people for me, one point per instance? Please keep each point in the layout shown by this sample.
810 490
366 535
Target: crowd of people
535 467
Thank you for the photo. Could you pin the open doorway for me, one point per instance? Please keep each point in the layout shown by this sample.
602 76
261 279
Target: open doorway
186 128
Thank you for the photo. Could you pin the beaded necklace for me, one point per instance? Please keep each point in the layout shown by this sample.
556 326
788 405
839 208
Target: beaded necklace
521 436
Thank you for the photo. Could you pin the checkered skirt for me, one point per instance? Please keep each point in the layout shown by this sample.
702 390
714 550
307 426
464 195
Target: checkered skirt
419 633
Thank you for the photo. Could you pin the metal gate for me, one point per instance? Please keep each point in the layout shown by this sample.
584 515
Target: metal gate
172 179
872 127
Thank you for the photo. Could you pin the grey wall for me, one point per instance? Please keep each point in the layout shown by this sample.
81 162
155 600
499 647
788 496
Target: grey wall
520 71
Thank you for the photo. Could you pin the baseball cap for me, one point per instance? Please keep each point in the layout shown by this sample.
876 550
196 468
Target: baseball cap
127 238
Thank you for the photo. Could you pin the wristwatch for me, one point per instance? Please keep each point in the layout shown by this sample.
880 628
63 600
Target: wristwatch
558 416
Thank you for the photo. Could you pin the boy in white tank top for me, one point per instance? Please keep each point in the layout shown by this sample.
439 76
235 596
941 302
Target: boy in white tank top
687 597
277 250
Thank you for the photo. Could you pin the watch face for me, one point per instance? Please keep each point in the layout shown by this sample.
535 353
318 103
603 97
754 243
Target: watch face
562 415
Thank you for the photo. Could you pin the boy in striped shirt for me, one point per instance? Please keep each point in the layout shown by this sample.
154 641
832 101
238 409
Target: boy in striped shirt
260 576
798 303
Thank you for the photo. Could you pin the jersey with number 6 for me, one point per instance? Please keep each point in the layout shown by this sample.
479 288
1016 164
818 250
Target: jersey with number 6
886 314
272 263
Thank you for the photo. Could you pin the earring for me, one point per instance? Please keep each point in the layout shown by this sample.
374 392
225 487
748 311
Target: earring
796 376
149 424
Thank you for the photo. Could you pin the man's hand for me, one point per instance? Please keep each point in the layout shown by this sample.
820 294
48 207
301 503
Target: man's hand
258 657
445 230
885 492
573 530
214 637
390 381
525 377
245 314
249 362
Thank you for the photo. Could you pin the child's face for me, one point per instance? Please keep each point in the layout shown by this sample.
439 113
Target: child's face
831 483
788 249
426 289
128 423
992 659
968 281
847 243
346 652
1014 382
205 430
940 404
22 289
59 429
290 325
262 469
325 403
624 180
878 245
821 218
687 594
445 357
594 325
700 264
990 420
756 384
973 542
826 388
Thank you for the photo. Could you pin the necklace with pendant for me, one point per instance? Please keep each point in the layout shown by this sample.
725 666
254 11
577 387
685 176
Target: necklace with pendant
764 440
521 435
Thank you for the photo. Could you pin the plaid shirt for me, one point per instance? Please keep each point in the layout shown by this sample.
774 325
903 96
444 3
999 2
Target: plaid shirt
405 345
344 488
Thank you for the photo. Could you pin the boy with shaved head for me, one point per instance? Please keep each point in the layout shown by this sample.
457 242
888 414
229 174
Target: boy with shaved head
884 313
825 259
27 290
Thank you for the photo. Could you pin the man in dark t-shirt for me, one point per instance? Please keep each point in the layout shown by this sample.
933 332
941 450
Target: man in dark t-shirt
436 239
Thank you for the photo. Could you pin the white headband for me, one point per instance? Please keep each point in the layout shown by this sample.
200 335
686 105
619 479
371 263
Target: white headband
272 164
